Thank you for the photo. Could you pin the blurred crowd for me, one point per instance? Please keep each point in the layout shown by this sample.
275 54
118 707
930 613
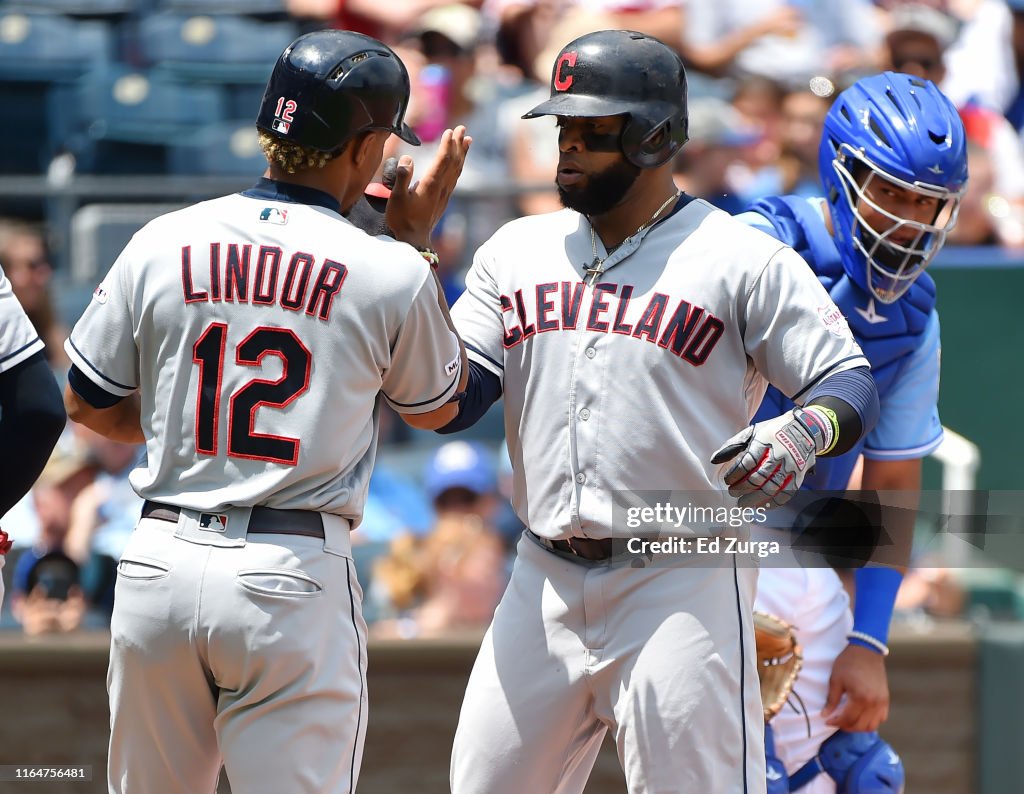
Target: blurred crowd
436 544
762 76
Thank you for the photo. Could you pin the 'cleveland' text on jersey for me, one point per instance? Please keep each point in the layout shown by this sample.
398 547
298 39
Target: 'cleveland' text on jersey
675 324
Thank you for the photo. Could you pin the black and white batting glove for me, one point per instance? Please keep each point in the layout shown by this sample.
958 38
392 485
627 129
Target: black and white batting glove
776 454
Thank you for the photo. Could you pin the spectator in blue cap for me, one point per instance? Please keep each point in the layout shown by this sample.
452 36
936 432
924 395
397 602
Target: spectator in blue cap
451 579
461 476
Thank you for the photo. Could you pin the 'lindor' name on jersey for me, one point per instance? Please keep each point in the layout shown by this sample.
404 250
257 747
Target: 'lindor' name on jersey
237 274
689 331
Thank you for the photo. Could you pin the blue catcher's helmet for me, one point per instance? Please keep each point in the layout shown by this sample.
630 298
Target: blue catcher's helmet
902 129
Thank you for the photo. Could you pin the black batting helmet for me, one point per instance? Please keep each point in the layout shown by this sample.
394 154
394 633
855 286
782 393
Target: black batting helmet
615 72
331 85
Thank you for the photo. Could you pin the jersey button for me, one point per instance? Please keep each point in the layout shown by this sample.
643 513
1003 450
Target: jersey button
581 478
585 414
590 352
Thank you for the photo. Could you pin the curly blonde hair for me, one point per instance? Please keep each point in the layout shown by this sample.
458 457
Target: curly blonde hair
292 157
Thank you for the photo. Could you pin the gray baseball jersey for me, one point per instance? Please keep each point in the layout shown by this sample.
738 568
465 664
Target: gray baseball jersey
260 334
630 383
635 381
18 339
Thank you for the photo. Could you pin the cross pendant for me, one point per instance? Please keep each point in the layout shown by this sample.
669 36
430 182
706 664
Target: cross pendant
594 271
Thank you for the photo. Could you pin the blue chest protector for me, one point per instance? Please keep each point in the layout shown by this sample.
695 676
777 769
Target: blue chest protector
887 333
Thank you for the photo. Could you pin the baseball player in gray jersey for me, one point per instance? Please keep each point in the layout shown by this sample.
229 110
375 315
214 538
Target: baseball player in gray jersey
631 334
31 414
249 342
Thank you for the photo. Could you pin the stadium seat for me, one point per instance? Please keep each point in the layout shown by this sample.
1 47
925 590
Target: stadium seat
90 8
37 51
40 47
224 49
241 7
226 149
98 233
244 100
119 120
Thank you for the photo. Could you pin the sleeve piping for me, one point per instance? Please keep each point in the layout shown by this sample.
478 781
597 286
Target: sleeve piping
487 359
77 354
446 392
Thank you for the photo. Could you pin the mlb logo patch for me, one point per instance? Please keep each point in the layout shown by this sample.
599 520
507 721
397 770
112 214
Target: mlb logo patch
274 215
282 126
100 295
213 522
451 367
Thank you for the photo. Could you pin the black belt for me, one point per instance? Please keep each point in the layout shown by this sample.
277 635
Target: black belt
585 548
263 521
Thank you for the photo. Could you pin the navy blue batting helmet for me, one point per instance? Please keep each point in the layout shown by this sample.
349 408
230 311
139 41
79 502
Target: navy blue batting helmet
622 72
330 85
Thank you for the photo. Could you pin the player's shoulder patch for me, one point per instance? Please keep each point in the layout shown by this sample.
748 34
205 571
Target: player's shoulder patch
833 320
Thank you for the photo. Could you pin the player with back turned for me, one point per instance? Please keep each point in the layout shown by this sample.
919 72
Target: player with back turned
893 163
249 342
631 334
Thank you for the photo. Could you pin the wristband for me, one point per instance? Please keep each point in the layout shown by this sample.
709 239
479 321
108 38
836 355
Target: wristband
867 641
873 604
431 256
829 423
877 586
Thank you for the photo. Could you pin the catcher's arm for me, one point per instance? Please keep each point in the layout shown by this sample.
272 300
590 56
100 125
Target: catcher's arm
859 671
779 659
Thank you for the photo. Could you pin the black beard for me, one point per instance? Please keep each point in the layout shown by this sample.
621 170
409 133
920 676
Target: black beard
603 191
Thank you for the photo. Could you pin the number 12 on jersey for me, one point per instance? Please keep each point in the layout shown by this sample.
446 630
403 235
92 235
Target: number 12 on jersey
243 441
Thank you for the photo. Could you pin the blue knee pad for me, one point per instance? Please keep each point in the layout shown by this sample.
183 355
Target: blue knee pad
859 763
778 780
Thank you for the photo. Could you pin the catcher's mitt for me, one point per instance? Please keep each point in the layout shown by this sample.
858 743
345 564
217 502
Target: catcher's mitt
779 659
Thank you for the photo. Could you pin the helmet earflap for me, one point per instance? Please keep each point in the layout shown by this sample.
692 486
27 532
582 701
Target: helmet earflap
649 148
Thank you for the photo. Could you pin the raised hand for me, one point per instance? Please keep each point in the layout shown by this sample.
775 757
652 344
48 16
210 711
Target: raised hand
414 208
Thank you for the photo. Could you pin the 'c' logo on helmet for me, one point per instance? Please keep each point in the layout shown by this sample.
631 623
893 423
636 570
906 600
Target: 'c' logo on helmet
563 81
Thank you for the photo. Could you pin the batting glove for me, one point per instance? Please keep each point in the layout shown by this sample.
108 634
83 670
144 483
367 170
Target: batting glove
776 454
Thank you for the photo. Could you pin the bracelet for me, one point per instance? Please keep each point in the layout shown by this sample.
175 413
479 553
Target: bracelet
872 643
431 256
829 424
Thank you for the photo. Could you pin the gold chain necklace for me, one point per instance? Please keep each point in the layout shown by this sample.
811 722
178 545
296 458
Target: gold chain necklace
596 267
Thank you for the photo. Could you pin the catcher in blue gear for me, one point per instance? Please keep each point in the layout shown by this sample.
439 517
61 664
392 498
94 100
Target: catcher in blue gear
893 164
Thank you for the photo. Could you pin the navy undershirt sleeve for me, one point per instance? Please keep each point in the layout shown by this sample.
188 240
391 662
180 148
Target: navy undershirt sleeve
854 398
89 391
31 420
483 389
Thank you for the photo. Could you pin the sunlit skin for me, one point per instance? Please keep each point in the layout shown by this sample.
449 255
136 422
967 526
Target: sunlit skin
584 157
901 202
